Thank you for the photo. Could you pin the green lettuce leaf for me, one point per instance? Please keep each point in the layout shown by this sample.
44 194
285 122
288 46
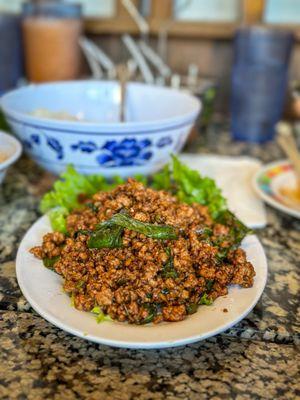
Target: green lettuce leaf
57 218
162 179
71 183
186 184
189 186
3 123
63 198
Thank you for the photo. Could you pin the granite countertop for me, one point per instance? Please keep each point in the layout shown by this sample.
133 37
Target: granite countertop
257 358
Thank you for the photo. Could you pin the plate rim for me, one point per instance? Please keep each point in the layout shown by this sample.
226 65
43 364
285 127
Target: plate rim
130 344
268 199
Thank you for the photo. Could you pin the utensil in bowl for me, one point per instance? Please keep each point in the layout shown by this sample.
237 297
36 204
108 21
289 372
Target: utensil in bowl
158 121
123 75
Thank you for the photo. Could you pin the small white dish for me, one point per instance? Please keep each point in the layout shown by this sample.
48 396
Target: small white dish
12 150
268 181
43 290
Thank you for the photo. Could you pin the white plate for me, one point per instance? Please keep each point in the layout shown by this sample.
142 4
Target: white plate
43 290
269 179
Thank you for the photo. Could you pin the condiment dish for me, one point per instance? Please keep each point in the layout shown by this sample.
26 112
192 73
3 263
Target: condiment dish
11 150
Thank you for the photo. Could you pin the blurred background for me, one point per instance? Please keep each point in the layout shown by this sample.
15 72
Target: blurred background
196 45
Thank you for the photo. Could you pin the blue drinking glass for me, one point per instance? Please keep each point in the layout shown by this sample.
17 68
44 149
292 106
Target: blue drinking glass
11 54
259 81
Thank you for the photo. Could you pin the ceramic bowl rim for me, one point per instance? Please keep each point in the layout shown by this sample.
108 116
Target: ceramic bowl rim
97 127
15 155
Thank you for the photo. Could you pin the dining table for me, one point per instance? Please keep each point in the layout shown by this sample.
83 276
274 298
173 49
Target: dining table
258 358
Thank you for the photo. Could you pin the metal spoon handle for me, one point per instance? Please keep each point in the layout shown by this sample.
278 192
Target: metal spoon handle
123 77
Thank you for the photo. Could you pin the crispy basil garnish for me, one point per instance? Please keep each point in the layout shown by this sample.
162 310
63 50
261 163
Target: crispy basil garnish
49 262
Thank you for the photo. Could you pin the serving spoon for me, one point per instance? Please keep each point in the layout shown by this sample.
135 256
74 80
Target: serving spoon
123 75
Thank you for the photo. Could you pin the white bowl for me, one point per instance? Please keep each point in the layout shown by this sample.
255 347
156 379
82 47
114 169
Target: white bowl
158 121
12 148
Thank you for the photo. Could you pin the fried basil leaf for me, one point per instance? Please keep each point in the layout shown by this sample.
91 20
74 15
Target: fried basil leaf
49 262
237 230
162 232
209 284
192 308
169 270
106 236
152 312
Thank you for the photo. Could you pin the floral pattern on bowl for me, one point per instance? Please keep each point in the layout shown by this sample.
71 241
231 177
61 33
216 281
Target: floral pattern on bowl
101 154
126 152
164 141
56 146
85 147
33 140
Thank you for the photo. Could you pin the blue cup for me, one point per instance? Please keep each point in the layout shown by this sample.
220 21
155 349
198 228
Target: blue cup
259 81
11 55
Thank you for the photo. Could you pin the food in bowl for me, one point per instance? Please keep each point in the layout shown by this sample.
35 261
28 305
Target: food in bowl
290 195
141 254
158 122
10 151
60 115
3 157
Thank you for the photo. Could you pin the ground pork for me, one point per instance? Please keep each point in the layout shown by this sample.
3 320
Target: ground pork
129 283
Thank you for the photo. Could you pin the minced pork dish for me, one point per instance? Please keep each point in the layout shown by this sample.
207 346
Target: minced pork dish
140 255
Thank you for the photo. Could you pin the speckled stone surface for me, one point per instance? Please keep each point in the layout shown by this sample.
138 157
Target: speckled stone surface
258 358
40 361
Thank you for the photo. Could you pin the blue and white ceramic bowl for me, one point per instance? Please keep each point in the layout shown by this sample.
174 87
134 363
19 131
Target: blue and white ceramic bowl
158 121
